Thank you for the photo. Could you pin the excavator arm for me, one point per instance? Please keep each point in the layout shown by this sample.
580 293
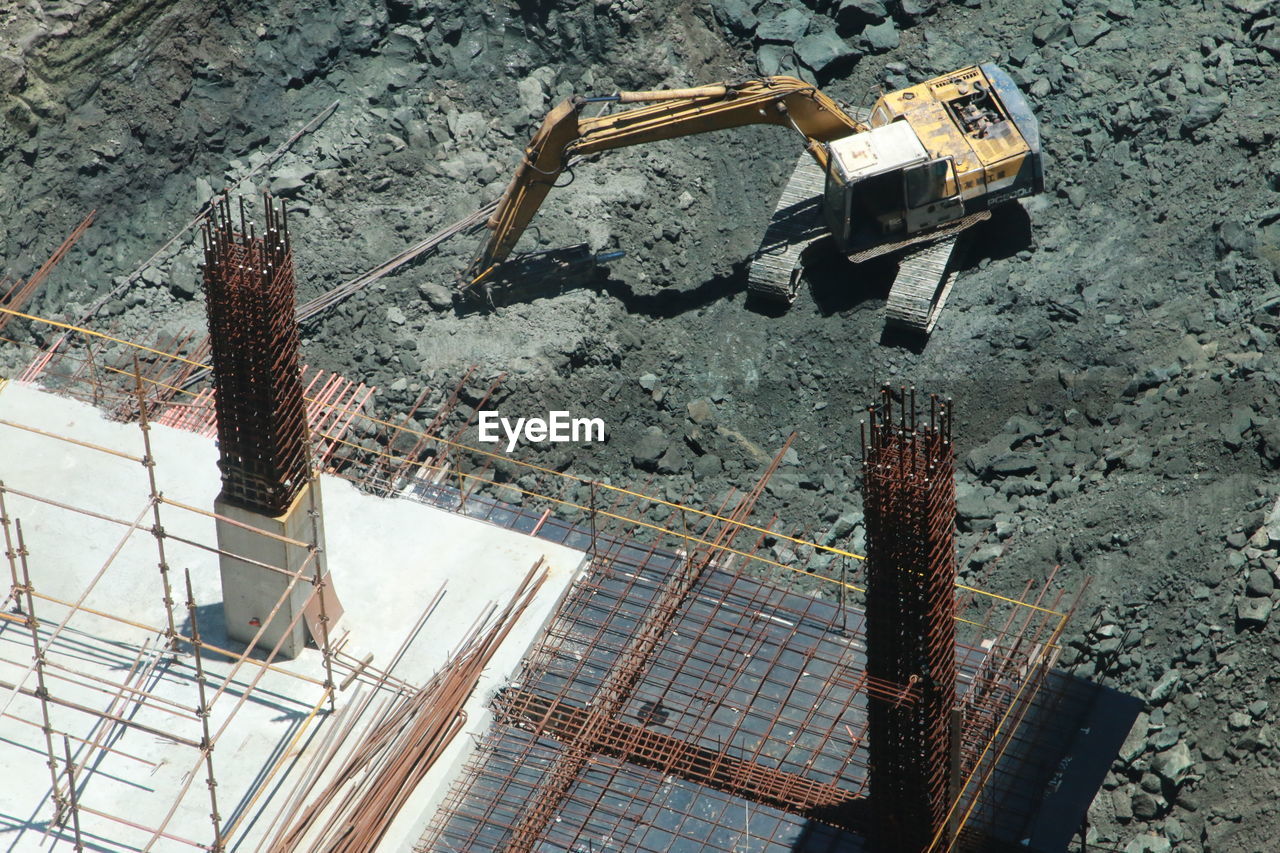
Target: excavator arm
565 134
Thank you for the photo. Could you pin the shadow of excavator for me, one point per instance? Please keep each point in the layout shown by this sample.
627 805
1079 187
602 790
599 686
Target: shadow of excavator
543 275
836 285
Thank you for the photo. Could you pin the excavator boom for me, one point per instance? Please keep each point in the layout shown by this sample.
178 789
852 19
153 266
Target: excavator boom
565 134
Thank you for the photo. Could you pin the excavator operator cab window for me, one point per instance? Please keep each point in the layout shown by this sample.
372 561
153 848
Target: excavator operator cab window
835 204
927 183
878 199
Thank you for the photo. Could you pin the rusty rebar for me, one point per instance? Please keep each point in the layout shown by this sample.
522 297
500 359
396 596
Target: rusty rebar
202 711
249 298
319 581
71 793
620 681
157 529
10 554
20 294
909 504
42 690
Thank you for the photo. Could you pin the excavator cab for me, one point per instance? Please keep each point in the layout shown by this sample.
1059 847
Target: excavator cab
879 184
934 160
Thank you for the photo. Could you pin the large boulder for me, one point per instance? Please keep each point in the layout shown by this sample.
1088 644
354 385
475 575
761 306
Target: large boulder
855 13
1173 765
774 59
787 27
1088 29
1148 844
1135 743
735 15
1203 111
881 37
1261 584
650 449
823 49
1253 612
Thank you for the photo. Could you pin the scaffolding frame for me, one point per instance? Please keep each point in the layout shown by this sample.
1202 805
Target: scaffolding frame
111 721
407 728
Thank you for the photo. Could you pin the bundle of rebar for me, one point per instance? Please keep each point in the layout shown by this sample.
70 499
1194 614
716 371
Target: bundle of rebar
17 294
354 811
909 503
249 298
330 298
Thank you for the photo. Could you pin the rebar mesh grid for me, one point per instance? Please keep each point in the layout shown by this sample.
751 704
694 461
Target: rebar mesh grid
757 698
614 806
249 298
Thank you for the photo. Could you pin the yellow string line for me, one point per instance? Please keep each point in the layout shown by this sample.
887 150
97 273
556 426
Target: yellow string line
623 518
687 536
91 332
712 516
459 446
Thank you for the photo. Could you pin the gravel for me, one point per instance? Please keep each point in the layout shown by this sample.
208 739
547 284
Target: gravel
1111 350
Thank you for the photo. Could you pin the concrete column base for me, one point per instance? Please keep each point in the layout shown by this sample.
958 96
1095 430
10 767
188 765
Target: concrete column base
249 591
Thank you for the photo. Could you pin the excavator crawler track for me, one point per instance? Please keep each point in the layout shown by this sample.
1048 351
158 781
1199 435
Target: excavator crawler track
796 223
924 280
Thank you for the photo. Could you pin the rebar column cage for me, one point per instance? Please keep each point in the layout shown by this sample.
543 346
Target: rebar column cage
909 503
249 298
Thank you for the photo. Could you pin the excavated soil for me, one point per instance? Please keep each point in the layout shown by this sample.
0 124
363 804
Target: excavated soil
1110 346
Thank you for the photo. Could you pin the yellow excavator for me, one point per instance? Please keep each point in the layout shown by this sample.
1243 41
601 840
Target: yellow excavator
924 164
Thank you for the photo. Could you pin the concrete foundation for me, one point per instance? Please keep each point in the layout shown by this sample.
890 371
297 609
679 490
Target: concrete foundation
392 557
251 591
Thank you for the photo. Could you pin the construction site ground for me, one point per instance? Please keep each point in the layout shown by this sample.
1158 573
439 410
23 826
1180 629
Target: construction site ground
1112 352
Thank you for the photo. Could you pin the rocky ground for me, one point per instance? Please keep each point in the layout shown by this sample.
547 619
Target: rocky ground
1111 353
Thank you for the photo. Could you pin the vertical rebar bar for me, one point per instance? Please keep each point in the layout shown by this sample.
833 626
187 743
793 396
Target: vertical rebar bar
157 529
202 711
261 416
591 552
319 581
33 624
10 555
909 503
94 382
71 793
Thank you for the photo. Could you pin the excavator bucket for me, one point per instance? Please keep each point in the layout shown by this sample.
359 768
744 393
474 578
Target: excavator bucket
533 276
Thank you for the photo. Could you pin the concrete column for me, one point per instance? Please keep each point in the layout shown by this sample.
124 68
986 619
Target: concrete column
249 592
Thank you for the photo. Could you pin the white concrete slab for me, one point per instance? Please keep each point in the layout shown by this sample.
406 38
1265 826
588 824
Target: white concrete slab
387 558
